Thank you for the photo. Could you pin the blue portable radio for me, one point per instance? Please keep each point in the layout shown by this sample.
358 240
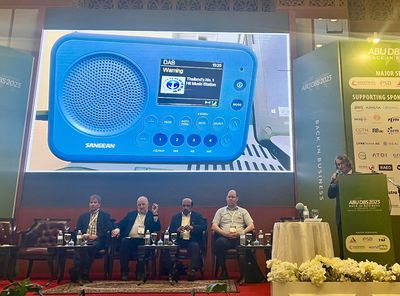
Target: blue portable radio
138 99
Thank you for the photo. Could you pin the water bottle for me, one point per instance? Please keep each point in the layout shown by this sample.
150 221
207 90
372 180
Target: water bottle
79 238
166 238
242 239
147 237
60 238
306 213
261 237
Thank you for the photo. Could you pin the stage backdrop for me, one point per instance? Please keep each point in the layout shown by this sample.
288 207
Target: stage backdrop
265 182
346 101
15 79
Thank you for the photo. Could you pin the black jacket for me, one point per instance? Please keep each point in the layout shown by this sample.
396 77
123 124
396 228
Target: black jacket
104 224
196 220
125 225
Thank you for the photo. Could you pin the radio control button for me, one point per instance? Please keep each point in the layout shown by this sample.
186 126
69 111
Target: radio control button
160 139
237 104
234 124
210 140
142 138
218 123
240 84
202 122
194 140
167 122
185 122
226 140
151 121
177 139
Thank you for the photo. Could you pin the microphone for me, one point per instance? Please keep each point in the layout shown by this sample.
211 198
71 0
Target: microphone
299 210
337 173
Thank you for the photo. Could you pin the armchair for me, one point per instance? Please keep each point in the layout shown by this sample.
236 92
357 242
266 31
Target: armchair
183 253
35 241
230 254
113 254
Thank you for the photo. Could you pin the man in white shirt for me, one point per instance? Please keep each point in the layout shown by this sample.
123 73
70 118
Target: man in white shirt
228 223
131 229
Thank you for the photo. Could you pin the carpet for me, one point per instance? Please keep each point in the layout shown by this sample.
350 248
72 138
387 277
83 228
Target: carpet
110 287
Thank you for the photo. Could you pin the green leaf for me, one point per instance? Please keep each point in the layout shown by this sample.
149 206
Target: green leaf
21 288
217 288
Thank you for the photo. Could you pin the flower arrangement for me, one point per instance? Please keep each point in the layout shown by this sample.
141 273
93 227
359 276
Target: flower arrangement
322 269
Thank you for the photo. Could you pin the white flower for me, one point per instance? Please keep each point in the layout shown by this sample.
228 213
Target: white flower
312 271
322 269
281 271
396 269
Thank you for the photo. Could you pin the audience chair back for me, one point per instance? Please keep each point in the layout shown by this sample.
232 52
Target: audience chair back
35 240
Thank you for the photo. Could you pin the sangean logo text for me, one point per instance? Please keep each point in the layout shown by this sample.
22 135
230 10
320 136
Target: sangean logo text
100 145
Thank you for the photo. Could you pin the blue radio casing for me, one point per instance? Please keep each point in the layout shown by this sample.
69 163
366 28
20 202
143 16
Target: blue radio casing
151 100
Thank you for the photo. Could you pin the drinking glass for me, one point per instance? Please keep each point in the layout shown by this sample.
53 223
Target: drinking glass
153 237
174 236
314 213
249 237
267 238
66 228
85 237
67 238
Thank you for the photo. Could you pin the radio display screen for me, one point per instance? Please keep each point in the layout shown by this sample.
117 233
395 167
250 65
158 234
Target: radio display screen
190 83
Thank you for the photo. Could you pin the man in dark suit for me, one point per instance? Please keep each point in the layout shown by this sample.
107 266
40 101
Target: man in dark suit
96 225
190 226
343 167
132 229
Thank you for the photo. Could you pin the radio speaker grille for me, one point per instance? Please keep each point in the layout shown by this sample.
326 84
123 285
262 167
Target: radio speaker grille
103 94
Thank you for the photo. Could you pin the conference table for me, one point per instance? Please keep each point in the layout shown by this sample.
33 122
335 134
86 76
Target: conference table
60 254
250 271
298 242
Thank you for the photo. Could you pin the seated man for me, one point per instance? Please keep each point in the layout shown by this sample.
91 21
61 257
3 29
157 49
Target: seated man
190 226
97 225
132 229
228 223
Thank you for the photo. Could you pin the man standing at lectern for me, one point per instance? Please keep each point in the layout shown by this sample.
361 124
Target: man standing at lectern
228 223
343 167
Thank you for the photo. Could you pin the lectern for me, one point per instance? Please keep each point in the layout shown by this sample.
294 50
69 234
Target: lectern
365 215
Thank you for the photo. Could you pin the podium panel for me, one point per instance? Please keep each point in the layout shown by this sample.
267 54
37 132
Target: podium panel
365 216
